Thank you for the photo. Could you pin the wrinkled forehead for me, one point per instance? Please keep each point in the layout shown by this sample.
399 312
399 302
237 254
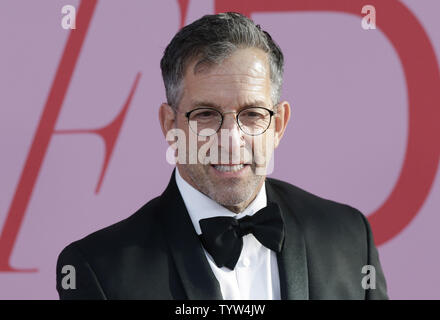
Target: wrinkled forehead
244 59
242 77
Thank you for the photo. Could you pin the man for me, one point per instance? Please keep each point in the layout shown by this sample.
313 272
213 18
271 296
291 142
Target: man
221 229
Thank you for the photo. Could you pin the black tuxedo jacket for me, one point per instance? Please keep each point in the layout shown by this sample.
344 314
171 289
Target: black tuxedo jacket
156 253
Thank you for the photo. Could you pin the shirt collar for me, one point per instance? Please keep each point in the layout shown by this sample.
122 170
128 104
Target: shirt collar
200 206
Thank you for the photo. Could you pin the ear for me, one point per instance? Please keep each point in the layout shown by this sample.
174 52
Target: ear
282 117
167 118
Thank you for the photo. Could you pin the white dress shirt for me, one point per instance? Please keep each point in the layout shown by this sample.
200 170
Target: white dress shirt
255 277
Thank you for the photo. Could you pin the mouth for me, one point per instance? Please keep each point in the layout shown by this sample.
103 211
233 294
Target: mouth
230 169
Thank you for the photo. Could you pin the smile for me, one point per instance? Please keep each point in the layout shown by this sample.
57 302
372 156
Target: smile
229 168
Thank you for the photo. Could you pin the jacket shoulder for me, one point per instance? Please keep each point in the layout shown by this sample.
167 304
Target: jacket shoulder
319 213
111 243
111 263
338 240
139 225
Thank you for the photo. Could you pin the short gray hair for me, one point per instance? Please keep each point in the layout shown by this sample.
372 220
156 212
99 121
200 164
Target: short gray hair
210 40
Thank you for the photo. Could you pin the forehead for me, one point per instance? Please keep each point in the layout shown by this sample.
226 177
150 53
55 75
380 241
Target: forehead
240 79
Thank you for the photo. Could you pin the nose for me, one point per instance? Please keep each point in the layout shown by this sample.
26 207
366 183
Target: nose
231 138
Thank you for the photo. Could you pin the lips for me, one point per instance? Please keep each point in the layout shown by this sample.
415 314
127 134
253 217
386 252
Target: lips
229 168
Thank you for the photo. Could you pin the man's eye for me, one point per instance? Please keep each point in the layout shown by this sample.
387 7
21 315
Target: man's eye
252 115
205 114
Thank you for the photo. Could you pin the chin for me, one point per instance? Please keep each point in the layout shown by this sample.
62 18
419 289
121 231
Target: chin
231 197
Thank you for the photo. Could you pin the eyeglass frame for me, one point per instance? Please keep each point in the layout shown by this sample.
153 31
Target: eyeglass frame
271 114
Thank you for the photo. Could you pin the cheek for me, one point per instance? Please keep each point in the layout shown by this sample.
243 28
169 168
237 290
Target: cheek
258 144
262 147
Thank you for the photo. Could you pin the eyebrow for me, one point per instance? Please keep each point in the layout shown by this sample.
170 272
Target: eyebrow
256 103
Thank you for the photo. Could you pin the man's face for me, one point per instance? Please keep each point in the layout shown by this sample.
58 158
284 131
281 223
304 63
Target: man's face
240 81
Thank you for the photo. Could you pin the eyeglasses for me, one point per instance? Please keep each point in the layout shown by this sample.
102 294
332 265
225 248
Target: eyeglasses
208 121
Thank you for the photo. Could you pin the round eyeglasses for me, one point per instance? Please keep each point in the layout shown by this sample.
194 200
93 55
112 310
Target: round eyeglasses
252 121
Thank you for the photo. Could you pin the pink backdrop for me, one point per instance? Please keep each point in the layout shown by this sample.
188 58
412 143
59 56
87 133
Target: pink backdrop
104 157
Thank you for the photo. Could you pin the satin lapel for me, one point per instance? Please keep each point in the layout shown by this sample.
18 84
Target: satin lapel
292 260
197 277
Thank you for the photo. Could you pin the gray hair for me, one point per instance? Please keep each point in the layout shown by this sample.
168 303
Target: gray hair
210 40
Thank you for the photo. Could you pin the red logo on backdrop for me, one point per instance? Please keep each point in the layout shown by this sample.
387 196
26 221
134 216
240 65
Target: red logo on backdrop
45 130
423 82
397 23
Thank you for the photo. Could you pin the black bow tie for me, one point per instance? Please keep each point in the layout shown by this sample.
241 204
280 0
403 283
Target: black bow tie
222 236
